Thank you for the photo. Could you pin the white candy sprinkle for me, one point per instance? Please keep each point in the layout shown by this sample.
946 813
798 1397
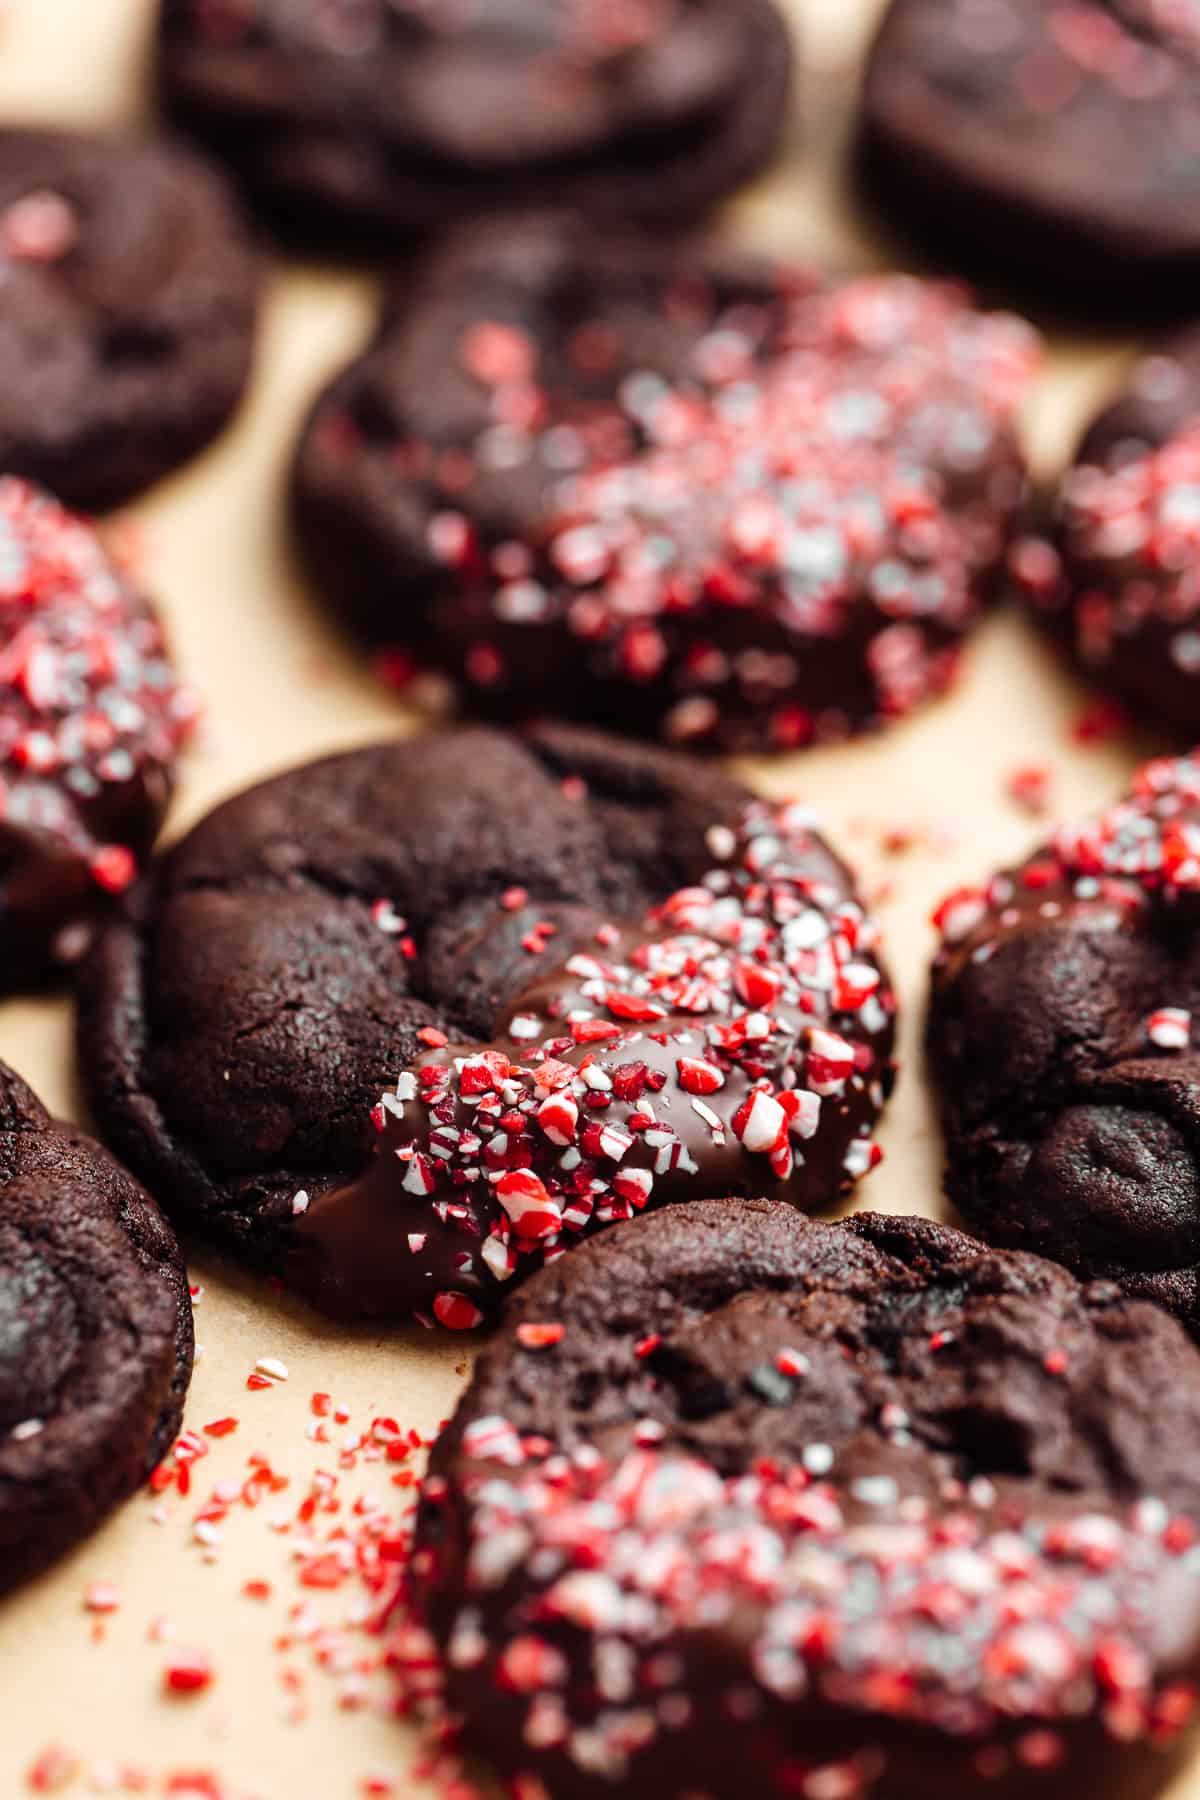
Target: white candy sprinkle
1170 1028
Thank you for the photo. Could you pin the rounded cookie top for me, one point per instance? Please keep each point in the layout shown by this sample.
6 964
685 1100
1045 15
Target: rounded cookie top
1052 145
1061 1035
741 1503
406 1022
1114 576
95 1334
690 494
92 718
128 292
392 117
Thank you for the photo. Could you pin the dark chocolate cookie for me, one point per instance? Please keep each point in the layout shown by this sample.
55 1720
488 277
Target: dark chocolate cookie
1114 576
742 1505
91 720
95 1334
370 123
683 493
403 1023
128 292
1158 401
1062 1044
1052 145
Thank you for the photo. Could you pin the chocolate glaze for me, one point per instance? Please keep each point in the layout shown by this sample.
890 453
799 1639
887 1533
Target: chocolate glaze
668 1142
743 1504
1062 1042
686 494
254 1029
91 721
1113 580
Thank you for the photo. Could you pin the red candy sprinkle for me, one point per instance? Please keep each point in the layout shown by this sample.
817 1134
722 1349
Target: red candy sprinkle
113 868
698 1077
710 1021
539 1337
456 1312
91 705
792 487
188 1672
1144 849
948 1612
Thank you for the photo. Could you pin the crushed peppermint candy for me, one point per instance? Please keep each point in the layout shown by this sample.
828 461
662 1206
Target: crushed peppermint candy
1170 1028
1123 564
947 1611
1143 850
827 469
91 706
737 1038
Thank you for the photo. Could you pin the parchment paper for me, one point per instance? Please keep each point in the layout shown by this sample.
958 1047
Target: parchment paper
280 686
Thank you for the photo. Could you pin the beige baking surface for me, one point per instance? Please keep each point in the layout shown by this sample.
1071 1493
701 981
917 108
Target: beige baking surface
280 687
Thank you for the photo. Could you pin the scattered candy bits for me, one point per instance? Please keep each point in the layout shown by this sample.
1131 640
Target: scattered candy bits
948 1610
90 700
334 1546
833 466
742 1017
1143 850
1124 562
188 1672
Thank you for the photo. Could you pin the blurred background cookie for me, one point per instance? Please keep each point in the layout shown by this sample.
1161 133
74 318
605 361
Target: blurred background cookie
1052 147
367 125
95 1334
675 490
128 296
92 718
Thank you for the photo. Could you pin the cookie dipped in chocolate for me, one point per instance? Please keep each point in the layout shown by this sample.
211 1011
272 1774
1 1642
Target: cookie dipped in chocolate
1062 1044
400 1025
736 1043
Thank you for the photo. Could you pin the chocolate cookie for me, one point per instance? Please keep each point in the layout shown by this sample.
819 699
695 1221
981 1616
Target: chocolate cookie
403 1023
1061 1039
372 123
679 492
91 720
742 1505
1114 575
128 291
95 1334
1054 146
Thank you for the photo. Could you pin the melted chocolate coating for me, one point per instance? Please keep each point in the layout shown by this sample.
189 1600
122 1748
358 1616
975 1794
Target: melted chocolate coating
744 1504
365 918
1114 581
91 721
1060 1036
682 493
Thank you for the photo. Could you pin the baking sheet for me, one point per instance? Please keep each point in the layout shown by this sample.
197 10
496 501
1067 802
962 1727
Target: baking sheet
290 1713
